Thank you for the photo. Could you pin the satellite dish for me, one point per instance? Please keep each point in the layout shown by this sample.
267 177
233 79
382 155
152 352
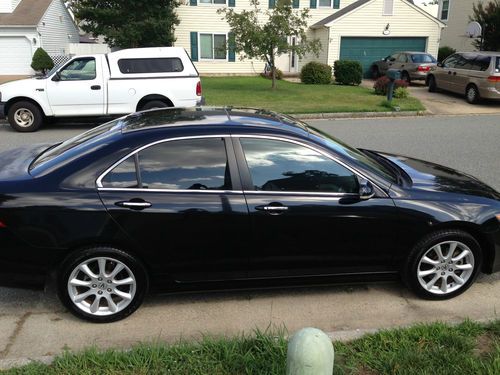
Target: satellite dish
474 30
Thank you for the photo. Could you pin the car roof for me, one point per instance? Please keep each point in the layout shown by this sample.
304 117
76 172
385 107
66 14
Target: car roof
486 53
208 116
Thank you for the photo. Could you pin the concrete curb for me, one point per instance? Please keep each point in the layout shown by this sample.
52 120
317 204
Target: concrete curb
347 115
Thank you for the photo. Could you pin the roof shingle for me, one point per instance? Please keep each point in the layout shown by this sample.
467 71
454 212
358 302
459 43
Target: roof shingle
27 13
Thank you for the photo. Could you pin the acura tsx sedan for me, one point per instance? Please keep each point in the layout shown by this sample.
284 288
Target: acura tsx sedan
179 200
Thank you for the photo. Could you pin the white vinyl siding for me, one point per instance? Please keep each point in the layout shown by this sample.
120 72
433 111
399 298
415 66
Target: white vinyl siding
57 29
458 19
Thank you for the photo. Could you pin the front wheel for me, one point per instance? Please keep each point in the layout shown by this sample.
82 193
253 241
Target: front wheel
102 284
25 117
443 265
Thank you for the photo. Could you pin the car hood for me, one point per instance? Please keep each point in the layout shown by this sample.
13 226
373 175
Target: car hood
15 162
431 177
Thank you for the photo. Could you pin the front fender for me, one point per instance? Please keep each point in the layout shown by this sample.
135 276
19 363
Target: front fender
32 90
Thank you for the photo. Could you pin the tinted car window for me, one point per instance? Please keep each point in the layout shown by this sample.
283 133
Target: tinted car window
465 61
156 65
283 166
122 176
451 61
422 58
497 66
481 63
193 164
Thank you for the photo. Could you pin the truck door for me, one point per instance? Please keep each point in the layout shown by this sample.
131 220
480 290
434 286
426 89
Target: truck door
77 89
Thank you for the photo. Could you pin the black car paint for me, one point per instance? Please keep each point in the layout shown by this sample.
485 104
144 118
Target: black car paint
219 240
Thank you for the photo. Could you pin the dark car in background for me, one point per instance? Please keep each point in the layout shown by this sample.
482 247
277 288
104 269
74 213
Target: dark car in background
473 74
413 65
223 198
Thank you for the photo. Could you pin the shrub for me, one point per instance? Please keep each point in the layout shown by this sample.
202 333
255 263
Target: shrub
316 73
401 93
268 74
348 72
444 52
381 85
41 61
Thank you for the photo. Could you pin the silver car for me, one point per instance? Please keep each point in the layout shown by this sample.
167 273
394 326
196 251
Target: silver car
473 74
413 65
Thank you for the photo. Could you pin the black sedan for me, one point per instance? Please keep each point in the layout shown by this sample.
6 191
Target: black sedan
217 198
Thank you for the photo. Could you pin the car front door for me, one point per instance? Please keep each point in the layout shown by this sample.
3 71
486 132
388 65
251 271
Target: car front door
444 75
78 88
306 214
181 203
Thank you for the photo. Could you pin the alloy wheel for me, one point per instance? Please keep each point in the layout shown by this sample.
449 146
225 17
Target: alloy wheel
24 117
445 267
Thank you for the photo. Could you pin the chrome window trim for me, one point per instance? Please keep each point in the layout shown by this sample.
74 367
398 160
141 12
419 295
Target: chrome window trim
100 178
173 190
325 154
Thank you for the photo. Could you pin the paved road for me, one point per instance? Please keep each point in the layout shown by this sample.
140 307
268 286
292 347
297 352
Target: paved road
34 324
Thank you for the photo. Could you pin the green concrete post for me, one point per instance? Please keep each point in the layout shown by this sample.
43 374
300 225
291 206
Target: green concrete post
310 352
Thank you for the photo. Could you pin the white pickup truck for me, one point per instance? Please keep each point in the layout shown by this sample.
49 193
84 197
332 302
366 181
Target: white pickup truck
110 84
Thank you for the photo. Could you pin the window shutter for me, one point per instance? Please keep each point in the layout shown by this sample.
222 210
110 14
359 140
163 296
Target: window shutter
194 46
231 53
193 3
296 3
312 4
232 3
271 3
336 4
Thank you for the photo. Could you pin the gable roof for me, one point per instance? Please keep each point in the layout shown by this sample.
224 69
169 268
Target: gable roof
27 13
353 6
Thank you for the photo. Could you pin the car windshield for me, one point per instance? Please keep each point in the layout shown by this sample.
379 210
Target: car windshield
352 153
422 58
60 148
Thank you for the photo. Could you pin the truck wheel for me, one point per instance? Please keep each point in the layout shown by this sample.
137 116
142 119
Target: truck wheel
25 117
154 104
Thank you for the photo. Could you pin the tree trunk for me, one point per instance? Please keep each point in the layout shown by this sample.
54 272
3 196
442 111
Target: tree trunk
273 73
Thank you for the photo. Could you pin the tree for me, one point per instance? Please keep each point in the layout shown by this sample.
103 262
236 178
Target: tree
128 23
265 34
488 16
41 61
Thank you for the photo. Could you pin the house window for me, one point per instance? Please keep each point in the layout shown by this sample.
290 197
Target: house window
325 3
445 8
213 46
388 7
218 2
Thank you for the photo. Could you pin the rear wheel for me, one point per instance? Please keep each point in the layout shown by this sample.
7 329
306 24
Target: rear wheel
153 104
443 265
25 117
472 94
102 284
406 77
431 82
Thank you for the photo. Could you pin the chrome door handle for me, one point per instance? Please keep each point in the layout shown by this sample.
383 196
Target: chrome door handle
272 210
134 205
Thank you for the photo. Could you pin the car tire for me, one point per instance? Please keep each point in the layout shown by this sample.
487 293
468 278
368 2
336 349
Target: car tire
102 284
443 265
406 77
25 117
431 82
472 94
375 72
154 104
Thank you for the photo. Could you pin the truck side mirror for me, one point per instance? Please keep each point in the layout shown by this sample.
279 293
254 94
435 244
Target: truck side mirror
57 77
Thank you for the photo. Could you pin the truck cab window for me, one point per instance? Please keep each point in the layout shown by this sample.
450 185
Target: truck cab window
79 70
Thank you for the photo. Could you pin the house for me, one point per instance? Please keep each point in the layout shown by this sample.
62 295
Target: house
456 13
26 25
363 30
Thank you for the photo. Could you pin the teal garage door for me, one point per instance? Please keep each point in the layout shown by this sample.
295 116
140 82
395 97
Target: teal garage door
368 50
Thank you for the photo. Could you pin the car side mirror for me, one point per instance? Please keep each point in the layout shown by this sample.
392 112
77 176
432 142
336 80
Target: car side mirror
440 64
366 190
57 77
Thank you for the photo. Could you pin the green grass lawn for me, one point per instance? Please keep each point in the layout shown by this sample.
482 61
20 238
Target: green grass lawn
297 97
432 349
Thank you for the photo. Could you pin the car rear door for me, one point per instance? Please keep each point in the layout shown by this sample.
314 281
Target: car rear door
180 201
306 215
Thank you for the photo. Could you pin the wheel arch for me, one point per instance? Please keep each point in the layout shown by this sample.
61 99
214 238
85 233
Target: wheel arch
151 97
486 244
18 99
